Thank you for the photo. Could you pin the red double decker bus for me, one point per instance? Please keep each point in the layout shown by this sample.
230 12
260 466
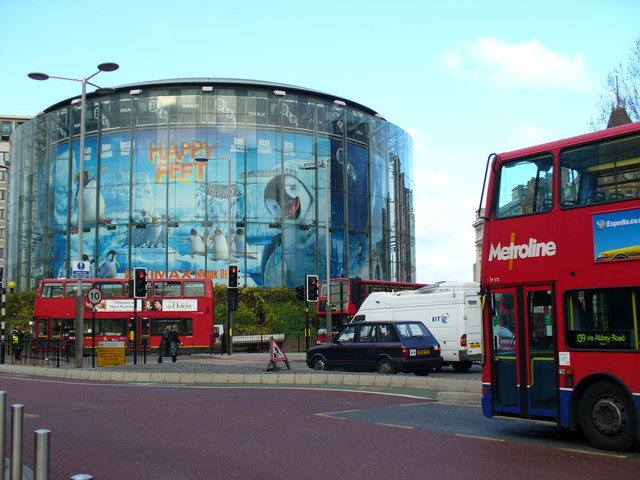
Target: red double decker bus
347 294
187 303
559 272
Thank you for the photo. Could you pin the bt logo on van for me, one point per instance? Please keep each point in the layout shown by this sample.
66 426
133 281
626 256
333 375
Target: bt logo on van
444 318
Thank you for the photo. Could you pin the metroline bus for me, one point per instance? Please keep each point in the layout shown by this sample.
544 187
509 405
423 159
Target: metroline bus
560 275
347 294
187 303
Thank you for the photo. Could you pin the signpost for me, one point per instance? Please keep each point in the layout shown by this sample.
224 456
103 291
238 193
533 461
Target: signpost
94 297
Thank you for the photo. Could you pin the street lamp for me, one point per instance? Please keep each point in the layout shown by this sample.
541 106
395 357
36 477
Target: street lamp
103 67
327 252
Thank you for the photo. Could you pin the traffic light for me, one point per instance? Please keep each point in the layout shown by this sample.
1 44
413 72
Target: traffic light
139 282
311 283
233 276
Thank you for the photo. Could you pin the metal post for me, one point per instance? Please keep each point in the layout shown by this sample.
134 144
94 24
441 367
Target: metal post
328 246
3 417
41 454
2 341
229 320
79 320
17 419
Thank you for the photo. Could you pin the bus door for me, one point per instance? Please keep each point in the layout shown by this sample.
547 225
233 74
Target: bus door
523 351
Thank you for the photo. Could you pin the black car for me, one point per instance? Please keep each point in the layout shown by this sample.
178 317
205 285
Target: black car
385 347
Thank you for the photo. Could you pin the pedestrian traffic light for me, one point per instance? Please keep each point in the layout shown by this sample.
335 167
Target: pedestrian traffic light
233 276
139 282
311 283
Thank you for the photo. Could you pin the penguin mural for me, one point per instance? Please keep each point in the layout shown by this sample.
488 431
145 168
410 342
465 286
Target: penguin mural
109 267
241 245
197 243
153 230
92 200
287 197
219 246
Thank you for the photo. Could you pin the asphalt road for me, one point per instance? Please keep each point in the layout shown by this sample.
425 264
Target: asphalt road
164 432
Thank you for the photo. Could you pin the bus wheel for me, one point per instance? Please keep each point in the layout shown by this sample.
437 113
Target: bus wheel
461 366
607 417
263 348
385 366
319 363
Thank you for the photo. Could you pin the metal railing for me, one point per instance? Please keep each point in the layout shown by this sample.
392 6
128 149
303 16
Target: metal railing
54 353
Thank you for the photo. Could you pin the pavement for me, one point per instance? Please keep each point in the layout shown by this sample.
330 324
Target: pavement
250 369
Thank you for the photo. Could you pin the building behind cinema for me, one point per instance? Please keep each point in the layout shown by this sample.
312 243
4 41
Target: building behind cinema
186 176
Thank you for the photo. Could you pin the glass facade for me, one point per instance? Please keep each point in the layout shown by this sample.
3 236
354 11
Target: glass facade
186 177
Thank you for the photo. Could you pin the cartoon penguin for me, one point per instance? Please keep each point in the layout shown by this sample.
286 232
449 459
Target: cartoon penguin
197 243
287 197
219 246
153 230
92 200
109 268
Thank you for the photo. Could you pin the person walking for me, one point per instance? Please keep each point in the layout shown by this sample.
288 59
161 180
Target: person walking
174 342
17 342
163 350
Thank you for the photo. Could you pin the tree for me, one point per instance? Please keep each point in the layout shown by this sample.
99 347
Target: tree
20 308
622 91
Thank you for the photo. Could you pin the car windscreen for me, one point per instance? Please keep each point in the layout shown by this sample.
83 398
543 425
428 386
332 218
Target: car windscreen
413 329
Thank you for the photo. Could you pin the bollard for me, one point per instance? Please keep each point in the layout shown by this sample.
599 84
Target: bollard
41 455
3 417
81 476
17 417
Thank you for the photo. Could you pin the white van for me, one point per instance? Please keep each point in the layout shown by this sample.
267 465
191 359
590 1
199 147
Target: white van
452 311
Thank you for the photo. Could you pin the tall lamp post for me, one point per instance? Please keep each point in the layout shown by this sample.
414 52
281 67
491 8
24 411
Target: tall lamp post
103 67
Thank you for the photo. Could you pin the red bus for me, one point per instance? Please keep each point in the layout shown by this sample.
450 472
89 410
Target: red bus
559 272
187 303
347 294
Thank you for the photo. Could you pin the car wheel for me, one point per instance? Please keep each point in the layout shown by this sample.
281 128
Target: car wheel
607 417
320 363
385 366
461 366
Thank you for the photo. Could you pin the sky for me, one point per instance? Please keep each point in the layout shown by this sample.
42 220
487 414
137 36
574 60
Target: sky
465 79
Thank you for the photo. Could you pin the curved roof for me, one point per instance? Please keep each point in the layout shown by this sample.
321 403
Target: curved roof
221 83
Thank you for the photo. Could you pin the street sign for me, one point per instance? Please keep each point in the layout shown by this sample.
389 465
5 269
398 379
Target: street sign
94 296
80 269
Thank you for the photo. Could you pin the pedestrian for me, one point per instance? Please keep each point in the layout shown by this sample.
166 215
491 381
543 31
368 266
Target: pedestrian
17 342
174 341
163 350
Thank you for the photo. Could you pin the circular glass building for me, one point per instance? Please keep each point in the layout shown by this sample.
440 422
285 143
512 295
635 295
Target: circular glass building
185 177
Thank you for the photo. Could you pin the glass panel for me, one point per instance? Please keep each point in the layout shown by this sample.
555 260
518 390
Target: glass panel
542 369
503 314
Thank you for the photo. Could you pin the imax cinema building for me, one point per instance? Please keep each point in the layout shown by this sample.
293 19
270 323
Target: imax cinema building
186 176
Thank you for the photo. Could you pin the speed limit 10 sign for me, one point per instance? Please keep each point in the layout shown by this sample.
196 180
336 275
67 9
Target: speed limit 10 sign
94 296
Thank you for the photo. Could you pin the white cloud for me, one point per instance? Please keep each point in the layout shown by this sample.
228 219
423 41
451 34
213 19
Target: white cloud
531 65
444 206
